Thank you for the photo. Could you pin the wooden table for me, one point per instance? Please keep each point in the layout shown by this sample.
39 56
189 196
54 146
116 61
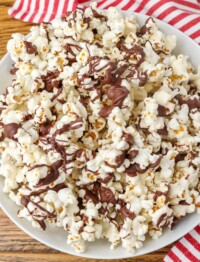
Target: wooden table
15 245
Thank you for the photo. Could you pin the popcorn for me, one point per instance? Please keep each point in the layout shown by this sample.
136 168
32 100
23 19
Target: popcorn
100 130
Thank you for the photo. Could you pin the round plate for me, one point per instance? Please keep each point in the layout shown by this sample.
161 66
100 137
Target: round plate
100 249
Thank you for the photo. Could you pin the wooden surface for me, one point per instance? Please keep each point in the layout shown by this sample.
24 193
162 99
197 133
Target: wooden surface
15 245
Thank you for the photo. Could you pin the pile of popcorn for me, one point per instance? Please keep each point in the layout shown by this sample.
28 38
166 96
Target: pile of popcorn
100 129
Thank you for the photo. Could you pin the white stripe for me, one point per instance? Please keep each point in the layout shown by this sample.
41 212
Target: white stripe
106 3
197 40
14 7
161 9
32 9
185 8
193 29
194 233
23 10
148 6
134 6
167 259
70 5
172 15
39 13
122 4
49 11
190 247
60 8
179 254
184 21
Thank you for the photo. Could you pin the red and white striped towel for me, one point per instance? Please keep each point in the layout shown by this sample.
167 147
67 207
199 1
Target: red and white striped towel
183 14
187 249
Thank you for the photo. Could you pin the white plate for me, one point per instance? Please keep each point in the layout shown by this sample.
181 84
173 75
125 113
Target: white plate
56 237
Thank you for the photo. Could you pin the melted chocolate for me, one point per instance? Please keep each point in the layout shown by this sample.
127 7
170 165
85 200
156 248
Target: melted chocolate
192 103
10 130
132 154
165 218
25 200
105 111
30 48
126 213
45 128
57 94
180 157
107 195
72 51
144 29
133 169
42 224
52 175
120 159
107 179
136 50
89 195
155 164
117 94
51 81
97 15
162 111
13 71
70 126
128 138
163 131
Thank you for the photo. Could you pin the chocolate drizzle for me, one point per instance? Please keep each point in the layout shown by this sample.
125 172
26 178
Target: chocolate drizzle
117 95
52 175
136 51
10 130
144 29
135 168
163 131
107 195
72 50
162 111
51 81
30 48
192 103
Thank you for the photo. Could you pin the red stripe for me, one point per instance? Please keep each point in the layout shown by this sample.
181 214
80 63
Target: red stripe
18 9
178 18
186 3
197 229
36 10
155 7
195 34
44 12
55 9
173 256
82 1
65 8
115 3
101 3
190 24
167 12
128 5
186 252
75 3
192 241
27 10
141 6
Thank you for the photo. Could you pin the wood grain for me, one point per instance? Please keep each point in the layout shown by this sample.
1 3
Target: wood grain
15 245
